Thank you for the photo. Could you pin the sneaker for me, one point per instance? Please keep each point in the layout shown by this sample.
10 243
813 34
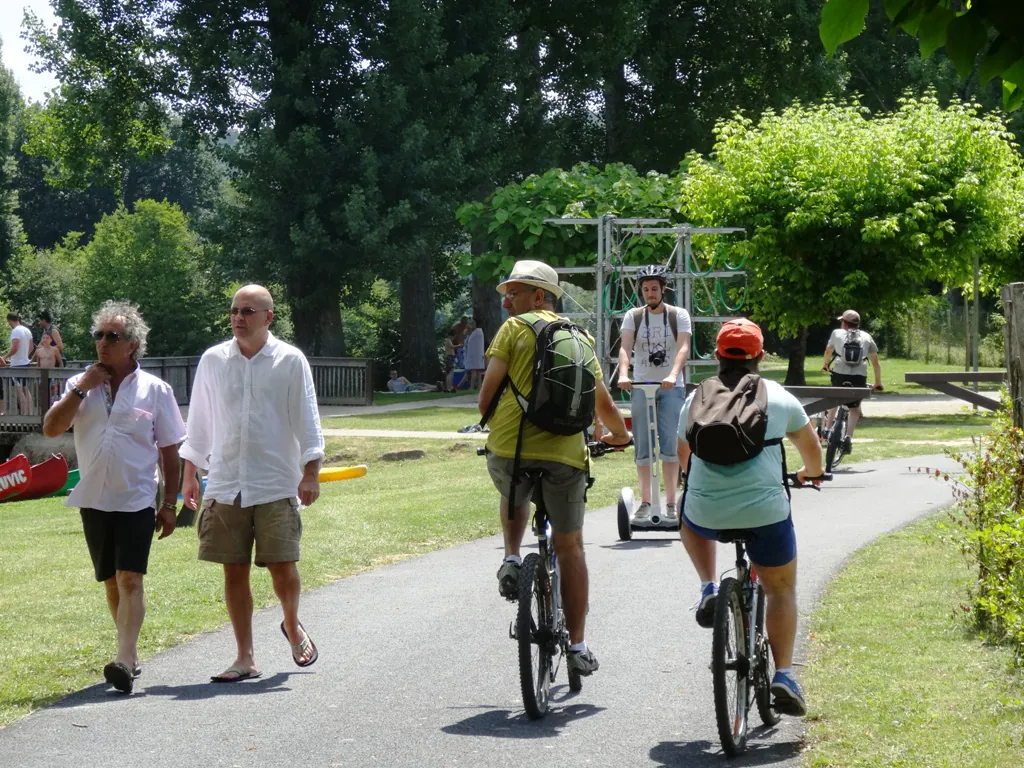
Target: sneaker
706 606
670 512
847 445
789 697
643 512
508 580
582 662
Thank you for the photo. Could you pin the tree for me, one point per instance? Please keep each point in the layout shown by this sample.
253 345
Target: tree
511 222
10 107
991 32
37 279
896 200
152 258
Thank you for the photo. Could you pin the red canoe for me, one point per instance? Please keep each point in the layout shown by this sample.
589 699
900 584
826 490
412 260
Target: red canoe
15 476
46 478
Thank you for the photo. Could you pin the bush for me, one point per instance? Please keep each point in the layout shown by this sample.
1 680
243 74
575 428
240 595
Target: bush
990 529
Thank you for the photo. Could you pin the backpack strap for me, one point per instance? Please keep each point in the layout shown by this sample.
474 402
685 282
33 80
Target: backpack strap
537 325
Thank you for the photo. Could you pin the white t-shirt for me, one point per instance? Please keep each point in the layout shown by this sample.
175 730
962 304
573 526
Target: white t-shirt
654 335
867 345
24 337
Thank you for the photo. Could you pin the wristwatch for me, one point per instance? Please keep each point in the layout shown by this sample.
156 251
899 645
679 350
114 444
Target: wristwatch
78 392
170 506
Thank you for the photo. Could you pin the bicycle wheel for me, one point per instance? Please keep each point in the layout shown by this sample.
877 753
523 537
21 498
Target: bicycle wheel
764 666
834 451
535 634
730 668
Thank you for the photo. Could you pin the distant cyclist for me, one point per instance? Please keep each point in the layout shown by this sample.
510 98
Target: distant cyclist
850 348
749 495
529 294
656 339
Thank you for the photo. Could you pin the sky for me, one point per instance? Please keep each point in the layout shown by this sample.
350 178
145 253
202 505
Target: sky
33 86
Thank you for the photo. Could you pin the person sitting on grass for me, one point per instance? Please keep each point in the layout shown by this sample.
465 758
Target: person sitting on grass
401 385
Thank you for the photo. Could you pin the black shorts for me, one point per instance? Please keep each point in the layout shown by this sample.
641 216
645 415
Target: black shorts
849 380
118 541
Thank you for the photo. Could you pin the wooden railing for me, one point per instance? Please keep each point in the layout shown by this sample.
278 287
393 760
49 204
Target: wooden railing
29 392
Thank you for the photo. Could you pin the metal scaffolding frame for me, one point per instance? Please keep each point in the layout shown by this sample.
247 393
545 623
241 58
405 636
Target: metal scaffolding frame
682 271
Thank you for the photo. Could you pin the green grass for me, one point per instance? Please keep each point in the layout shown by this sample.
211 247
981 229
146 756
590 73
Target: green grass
426 419
390 398
893 370
901 680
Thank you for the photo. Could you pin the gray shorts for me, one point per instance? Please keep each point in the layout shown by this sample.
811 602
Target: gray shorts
227 532
564 489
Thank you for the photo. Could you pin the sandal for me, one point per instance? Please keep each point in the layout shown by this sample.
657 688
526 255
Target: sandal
301 648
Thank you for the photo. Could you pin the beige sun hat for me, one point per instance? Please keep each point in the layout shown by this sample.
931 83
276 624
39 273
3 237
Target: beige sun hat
535 273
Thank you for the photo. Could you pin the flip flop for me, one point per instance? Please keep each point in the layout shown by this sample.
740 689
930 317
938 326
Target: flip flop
299 649
119 676
240 673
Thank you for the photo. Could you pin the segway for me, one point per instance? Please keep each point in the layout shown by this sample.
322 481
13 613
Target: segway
656 521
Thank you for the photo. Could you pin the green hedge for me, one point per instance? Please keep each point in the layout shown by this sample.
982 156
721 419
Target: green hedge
990 529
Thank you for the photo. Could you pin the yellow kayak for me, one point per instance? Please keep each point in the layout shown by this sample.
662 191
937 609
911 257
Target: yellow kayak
331 474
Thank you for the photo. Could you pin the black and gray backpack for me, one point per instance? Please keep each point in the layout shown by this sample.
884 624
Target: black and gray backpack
853 352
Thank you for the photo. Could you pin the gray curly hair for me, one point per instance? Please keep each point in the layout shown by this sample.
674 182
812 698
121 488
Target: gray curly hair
135 328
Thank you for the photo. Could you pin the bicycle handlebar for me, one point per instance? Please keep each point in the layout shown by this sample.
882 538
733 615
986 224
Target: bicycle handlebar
597 448
794 481
600 448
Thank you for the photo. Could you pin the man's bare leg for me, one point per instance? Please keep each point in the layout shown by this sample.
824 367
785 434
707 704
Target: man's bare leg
288 588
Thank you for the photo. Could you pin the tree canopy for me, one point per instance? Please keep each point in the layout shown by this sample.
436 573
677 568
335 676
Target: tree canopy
989 35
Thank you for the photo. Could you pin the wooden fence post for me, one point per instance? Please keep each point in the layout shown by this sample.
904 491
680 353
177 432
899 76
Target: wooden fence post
1013 307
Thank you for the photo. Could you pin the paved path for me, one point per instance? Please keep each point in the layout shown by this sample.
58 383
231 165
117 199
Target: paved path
416 668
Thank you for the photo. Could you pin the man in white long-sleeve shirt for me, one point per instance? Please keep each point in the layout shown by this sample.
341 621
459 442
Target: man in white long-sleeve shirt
253 423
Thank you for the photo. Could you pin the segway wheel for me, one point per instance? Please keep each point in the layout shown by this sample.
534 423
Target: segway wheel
625 513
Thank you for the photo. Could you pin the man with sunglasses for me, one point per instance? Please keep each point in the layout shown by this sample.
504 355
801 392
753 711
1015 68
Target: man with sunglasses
125 420
253 424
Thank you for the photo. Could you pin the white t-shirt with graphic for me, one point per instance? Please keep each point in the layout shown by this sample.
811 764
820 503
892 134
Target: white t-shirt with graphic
24 337
653 336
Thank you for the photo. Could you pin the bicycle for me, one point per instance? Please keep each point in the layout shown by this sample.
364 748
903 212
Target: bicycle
539 627
742 665
835 438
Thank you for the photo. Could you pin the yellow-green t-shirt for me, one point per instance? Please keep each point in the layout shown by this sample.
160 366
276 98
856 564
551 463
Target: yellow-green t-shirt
515 343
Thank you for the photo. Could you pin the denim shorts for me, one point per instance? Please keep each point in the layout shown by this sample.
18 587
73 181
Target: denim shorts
774 545
670 404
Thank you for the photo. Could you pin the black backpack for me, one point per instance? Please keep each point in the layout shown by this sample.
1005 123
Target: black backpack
853 352
728 419
563 391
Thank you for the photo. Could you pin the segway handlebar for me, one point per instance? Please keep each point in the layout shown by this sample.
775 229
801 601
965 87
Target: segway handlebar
794 481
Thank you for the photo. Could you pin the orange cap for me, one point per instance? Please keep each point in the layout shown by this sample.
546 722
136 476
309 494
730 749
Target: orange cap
740 340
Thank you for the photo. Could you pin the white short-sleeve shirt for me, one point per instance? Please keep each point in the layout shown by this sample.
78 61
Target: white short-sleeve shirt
118 452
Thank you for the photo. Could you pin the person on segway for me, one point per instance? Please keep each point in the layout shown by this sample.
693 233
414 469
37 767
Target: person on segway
656 339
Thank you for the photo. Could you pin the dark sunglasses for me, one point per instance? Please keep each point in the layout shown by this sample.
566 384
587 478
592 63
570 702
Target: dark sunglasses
246 311
112 337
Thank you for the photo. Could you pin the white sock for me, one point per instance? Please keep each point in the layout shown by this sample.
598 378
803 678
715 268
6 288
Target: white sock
514 559
786 671
580 647
704 585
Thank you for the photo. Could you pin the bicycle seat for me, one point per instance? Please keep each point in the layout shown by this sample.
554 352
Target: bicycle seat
742 535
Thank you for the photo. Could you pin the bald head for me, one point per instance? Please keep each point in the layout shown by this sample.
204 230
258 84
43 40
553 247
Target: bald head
255 296
252 310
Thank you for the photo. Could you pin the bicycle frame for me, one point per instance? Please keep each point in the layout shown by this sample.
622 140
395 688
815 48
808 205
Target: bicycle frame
542 530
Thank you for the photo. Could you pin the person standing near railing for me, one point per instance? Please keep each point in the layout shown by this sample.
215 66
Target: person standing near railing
19 357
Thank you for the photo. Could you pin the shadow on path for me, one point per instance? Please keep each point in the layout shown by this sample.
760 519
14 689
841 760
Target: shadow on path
694 754
506 724
103 693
